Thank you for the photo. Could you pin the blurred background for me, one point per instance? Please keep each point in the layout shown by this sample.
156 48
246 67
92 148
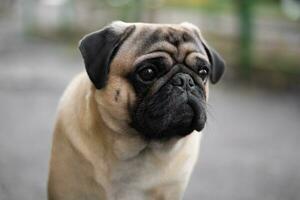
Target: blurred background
250 147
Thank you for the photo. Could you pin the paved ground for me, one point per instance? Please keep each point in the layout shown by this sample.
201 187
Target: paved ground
250 149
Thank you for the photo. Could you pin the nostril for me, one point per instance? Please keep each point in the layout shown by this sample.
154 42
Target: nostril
183 80
178 81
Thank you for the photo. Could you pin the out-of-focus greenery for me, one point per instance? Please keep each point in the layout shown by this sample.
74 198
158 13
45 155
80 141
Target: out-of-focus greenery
267 8
271 63
203 5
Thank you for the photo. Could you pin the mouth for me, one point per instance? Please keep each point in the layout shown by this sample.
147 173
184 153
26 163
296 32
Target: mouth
173 119
198 116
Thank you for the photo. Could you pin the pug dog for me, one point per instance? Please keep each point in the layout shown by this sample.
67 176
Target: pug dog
129 127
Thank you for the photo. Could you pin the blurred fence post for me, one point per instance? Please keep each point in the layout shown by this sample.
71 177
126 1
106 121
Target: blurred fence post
246 34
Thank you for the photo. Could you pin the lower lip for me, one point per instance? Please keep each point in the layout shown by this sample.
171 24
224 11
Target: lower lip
196 125
196 122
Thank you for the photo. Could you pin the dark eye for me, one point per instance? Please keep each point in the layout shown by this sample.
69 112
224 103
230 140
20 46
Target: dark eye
203 72
147 73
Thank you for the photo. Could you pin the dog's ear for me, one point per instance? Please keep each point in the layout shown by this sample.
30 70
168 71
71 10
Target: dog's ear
99 48
217 63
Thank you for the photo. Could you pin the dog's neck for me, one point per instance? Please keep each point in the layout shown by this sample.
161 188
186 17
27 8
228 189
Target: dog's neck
125 143
126 146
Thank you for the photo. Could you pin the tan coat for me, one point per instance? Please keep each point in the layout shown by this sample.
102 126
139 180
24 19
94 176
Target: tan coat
94 157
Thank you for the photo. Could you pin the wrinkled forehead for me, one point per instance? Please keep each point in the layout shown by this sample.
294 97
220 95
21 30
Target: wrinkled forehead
177 43
173 39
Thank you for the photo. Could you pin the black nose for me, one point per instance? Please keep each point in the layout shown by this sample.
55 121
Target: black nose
183 80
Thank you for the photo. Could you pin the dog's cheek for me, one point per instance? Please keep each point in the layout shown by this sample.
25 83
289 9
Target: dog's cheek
118 96
122 94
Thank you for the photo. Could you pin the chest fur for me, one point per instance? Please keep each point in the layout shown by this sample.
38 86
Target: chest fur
152 169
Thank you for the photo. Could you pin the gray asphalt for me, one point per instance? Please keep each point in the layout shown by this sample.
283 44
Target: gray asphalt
250 149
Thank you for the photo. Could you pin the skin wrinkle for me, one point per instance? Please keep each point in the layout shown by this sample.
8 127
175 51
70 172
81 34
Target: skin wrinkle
177 53
117 95
174 69
191 58
161 81
163 46
156 54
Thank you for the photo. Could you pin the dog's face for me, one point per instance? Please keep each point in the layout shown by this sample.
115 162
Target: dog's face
151 78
